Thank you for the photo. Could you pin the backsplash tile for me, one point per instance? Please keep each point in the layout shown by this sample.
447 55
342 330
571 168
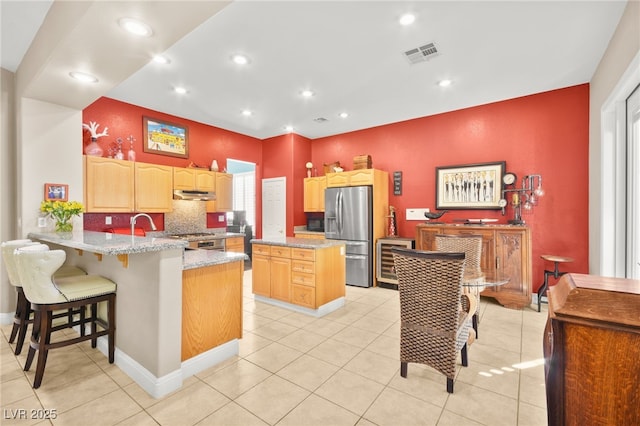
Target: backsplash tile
186 217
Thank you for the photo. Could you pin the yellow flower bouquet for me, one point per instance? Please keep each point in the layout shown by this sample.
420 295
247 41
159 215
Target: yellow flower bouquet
62 212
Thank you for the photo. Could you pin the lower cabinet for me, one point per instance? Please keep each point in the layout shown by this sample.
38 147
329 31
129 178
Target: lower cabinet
211 307
309 277
506 254
234 244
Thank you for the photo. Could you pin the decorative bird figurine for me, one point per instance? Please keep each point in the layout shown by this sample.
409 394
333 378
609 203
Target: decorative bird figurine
435 215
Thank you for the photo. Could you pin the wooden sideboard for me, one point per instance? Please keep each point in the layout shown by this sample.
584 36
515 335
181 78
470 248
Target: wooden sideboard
506 254
591 349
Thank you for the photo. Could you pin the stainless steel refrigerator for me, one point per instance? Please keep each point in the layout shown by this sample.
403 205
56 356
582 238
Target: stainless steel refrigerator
348 217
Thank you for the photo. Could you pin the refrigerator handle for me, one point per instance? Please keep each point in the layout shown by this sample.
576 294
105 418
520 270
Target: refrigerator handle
339 211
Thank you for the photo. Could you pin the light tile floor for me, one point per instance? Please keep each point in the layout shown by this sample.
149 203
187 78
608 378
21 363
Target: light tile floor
292 369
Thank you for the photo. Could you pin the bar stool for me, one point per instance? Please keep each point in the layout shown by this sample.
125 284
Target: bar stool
22 317
557 260
36 268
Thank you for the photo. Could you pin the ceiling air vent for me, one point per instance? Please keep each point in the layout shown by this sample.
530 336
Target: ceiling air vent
422 53
320 120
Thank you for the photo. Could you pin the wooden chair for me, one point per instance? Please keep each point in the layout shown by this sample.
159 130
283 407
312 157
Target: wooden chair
36 269
435 315
22 317
471 246
557 260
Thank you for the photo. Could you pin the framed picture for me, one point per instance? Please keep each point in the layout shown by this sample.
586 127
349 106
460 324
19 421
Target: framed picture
161 137
469 186
56 192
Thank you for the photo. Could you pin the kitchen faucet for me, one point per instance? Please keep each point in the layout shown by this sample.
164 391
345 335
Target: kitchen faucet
133 222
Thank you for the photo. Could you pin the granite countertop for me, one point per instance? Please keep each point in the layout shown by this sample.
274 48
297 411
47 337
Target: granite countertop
213 235
200 258
108 243
299 242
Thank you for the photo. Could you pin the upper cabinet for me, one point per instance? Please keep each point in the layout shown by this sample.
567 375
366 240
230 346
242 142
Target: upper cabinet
109 185
314 193
153 188
194 179
118 186
224 193
352 178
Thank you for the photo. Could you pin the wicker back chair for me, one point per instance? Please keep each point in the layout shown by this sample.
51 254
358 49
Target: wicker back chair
471 246
435 315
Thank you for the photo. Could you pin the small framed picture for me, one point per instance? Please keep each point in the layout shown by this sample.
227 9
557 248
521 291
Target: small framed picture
161 137
56 192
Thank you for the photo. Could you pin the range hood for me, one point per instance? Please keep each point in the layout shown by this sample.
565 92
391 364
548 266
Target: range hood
193 195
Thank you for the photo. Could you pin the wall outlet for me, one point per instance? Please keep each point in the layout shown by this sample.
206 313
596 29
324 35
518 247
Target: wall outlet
42 222
107 220
221 218
416 214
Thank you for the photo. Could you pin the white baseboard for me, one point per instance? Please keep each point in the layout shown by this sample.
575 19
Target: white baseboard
320 312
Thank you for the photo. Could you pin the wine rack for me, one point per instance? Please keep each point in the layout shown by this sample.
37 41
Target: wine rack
385 271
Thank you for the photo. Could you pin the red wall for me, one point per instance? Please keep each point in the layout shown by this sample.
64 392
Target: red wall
545 134
206 143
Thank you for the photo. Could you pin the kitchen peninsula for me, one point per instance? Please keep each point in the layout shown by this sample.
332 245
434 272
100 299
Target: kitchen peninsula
301 274
161 288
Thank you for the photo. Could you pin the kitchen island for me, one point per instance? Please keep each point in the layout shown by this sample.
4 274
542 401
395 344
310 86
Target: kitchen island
153 274
301 274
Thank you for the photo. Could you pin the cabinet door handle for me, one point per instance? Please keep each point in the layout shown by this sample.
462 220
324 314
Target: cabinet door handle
497 262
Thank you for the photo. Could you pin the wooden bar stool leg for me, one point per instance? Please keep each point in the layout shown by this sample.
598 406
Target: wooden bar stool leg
35 336
24 320
111 314
43 346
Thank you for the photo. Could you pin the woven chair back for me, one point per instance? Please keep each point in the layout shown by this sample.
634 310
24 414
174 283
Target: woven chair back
430 286
470 245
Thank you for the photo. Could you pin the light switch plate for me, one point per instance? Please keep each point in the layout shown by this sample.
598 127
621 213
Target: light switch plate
107 220
416 214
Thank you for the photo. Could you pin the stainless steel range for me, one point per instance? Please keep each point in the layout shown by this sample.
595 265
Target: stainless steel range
202 240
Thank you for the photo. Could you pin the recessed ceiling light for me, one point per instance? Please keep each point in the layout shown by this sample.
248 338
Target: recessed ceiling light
83 77
407 19
444 83
134 26
161 59
247 113
180 90
344 115
307 93
288 128
240 59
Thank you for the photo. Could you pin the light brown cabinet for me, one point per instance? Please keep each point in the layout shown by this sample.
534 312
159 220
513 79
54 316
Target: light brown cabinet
314 193
153 188
211 307
234 244
591 350
117 186
316 236
108 185
308 277
351 178
191 179
224 193
506 254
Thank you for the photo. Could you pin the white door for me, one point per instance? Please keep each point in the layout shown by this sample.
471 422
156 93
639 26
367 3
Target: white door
274 208
633 185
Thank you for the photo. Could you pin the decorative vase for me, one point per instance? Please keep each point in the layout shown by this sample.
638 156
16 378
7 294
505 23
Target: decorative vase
131 155
93 148
119 155
62 226
214 166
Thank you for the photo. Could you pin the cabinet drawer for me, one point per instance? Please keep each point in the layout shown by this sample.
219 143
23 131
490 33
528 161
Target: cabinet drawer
303 254
278 251
303 296
303 266
303 279
261 249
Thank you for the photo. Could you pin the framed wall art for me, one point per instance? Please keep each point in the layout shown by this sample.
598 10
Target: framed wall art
56 192
469 186
161 137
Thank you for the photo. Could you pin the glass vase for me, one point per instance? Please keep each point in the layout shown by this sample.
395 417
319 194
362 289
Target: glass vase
93 148
62 226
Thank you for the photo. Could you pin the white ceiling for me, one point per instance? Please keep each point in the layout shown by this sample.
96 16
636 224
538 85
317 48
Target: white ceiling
351 55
